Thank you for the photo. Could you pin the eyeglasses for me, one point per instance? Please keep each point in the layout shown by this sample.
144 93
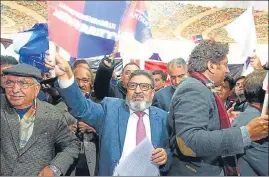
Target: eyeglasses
142 86
22 84
84 80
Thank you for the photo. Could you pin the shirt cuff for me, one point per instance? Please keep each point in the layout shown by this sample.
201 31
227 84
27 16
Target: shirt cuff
245 135
56 171
66 83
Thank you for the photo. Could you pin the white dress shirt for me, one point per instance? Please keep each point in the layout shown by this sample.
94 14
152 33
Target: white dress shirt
130 138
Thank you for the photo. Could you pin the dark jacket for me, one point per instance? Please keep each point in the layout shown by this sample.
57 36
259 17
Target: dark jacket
240 106
162 98
103 86
254 162
89 146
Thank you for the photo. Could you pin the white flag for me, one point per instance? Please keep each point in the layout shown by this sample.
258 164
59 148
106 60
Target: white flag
243 31
265 83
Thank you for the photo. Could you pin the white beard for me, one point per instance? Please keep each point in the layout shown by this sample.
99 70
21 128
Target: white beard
138 105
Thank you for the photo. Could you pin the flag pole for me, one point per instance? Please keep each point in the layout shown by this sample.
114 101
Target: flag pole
265 102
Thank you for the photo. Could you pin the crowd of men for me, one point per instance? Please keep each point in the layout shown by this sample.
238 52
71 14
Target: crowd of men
82 123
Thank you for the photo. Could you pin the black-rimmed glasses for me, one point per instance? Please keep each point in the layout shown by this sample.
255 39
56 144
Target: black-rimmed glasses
143 86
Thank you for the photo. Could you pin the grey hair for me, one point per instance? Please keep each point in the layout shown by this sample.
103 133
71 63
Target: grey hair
206 51
177 61
143 73
35 81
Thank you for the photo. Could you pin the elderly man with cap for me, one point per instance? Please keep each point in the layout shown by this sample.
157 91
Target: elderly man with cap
31 130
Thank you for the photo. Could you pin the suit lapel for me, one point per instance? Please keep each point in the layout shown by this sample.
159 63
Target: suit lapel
155 125
13 122
123 116
39 127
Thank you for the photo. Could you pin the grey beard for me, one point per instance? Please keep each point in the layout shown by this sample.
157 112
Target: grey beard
138 105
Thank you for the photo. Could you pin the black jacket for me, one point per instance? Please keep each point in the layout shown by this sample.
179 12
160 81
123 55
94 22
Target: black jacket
103 86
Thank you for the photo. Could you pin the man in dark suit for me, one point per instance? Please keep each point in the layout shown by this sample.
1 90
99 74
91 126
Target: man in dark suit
177 71
102 83
254 161
31 130
121 125
201 139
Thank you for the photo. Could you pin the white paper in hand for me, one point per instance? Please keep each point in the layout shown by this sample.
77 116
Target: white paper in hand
138 162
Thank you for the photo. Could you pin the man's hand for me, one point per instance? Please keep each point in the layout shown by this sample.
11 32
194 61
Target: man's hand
85 128
232 114
258 128
61 66
46 172
256 62
159 156
73 127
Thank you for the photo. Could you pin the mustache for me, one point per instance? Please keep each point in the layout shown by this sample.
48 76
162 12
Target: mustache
16 95
83 88
138 96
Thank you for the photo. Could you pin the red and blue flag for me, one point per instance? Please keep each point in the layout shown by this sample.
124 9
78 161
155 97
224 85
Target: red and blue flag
90 28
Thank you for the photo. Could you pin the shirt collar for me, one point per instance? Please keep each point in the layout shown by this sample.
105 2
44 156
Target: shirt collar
146 111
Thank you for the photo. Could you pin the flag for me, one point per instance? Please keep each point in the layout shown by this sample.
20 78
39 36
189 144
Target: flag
85 28
243 31
3 49
265 84
197 38
136 21
247 62
31 45
151 65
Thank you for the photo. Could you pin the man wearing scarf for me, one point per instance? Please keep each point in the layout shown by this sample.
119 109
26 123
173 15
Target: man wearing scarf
31 130
201 137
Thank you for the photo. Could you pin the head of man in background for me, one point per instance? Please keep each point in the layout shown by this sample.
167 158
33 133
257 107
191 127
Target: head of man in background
80 62
6 62
177 70
226 89
239 88
128 69
84 78
159 79
241 103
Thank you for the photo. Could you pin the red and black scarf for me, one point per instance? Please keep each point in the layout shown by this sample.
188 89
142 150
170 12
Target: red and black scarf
230 162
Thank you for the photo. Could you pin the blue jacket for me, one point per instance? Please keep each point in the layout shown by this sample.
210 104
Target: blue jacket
110 118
